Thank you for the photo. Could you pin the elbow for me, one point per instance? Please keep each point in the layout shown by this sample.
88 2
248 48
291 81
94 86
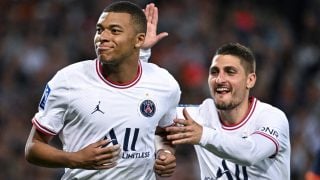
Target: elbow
247 160
28 154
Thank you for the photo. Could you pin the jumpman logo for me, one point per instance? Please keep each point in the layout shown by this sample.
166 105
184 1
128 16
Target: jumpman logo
97 109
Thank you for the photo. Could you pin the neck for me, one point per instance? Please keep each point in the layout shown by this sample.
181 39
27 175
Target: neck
120 73
236 115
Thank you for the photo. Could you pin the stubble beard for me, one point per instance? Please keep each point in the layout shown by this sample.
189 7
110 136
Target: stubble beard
225 106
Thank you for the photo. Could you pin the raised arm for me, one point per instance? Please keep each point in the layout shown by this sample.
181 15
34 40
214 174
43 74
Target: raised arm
152 37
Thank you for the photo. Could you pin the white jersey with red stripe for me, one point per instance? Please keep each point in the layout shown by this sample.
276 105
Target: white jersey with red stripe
82 107
256 148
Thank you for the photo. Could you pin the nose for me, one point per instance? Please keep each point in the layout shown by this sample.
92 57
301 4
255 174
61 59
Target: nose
104 35
220 78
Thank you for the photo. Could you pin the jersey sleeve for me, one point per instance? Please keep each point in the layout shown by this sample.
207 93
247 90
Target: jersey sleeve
52 106
274 126
271 135
144 55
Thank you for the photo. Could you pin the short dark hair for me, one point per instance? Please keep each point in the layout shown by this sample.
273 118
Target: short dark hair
138 17
244 53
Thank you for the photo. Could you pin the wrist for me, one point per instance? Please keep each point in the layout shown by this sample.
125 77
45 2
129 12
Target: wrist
165 151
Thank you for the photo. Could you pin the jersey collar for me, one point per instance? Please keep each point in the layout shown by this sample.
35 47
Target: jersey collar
115 84
252 106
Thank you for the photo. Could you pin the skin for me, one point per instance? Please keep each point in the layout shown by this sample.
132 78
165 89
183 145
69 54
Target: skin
229 85
117 46
111 40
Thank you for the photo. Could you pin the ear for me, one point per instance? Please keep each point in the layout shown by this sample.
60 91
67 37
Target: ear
251 80
140 37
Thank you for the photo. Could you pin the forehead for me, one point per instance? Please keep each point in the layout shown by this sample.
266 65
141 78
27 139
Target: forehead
114 18
225 60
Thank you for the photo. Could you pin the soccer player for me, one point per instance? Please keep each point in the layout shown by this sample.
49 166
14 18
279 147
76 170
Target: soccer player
236 136
107 111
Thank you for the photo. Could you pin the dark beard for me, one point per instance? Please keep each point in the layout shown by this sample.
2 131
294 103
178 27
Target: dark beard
225 107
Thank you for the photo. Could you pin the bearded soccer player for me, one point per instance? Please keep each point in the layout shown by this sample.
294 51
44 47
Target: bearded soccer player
235 135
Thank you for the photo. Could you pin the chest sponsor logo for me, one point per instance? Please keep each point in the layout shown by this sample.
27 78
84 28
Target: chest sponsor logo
129 143
147 108
270 131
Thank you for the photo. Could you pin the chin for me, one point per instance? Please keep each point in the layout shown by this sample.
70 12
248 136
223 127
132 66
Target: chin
104 59
223 105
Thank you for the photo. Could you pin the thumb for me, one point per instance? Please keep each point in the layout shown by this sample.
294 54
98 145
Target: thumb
186 115
162 35
161 156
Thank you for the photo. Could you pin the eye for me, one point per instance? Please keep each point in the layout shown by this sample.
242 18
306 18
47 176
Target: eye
98 30
214 71
115 31
231 71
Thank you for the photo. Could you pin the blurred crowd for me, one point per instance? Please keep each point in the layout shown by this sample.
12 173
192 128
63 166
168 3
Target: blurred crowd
39 37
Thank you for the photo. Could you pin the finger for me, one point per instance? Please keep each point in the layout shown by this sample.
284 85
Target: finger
147 10
164 170
166 167
150 12
110 152
102 143
154 15
162 35
182 141
166 175
109 160
183 122
186 114
175 129
180 138
160 169
166 162
106 165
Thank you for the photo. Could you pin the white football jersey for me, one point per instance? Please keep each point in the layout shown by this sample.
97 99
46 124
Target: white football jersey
82 107
256 148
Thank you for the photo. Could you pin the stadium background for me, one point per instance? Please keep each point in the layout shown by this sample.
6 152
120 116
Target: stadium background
39 37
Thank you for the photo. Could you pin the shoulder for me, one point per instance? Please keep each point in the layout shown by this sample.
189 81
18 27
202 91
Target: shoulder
162 76
271 116
72 72
268 110
153 69
78 66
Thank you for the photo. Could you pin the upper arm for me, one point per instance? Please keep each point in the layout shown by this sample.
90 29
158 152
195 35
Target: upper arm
37 136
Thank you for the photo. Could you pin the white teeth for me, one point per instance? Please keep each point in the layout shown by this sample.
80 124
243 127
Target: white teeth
222 89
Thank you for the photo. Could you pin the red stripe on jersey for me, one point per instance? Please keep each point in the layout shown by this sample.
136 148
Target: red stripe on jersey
246 117
42 129
272 139
115 84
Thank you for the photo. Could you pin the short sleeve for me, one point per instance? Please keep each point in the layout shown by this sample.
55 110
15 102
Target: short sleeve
52 106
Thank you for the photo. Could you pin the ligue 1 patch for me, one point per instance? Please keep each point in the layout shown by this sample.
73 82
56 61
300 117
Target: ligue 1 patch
147 108
44 97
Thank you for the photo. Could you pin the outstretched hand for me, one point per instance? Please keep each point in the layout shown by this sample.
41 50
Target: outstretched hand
152 38
188 131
